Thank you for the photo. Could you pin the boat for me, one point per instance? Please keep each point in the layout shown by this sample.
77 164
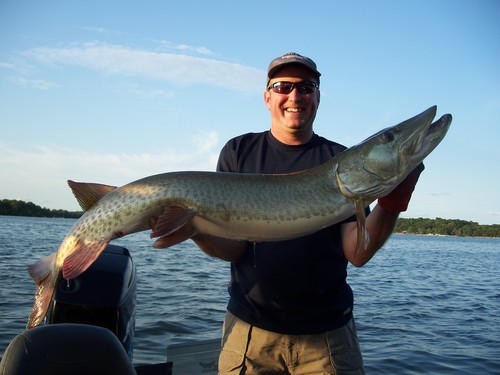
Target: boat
90 329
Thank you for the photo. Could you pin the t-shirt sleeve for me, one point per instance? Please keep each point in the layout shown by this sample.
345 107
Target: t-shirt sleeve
227 159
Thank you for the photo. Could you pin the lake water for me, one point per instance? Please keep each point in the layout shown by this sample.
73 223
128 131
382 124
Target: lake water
423 305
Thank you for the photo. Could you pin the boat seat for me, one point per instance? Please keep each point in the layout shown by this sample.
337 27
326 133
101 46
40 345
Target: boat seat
60 349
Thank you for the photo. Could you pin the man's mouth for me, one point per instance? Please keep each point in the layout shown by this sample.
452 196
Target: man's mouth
293 109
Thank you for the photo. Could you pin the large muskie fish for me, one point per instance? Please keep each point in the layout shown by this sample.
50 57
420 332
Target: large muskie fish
239 206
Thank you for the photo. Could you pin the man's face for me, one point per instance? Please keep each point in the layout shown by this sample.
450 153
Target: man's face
292 114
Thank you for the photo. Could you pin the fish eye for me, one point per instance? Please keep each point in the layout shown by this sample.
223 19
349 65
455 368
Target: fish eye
388 136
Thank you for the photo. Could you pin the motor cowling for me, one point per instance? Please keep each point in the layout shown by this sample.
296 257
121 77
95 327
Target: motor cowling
104 295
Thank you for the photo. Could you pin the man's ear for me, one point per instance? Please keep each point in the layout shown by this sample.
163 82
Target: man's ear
267 98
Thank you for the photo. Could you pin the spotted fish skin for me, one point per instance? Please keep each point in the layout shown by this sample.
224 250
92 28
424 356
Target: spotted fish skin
248 207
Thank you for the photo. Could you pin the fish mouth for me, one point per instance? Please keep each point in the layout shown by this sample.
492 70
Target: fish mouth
426 135
443 122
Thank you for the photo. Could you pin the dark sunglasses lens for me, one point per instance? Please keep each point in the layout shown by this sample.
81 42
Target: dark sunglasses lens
306 87
283 87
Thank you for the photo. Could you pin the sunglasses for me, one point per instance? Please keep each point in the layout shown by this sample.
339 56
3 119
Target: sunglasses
303 87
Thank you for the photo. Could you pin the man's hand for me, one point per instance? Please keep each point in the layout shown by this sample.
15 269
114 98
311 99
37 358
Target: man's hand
397 200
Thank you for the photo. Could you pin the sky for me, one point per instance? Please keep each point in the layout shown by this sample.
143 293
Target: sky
113 91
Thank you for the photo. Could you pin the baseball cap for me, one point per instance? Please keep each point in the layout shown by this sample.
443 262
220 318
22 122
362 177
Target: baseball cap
291 58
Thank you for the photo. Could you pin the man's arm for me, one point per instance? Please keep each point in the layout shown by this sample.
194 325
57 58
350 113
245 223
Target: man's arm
223 248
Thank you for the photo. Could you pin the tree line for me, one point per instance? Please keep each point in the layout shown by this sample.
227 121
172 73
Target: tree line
14 207
438 226
446 227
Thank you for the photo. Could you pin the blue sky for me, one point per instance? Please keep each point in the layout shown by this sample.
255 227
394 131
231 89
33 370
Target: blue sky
112 91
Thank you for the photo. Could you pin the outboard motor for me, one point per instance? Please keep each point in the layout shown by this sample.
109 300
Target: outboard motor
104 295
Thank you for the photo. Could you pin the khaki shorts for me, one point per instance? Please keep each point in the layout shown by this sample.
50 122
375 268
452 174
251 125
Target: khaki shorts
247 349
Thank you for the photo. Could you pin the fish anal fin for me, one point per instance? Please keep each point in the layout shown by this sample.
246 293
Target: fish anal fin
363 237
41 269
88 194
81 259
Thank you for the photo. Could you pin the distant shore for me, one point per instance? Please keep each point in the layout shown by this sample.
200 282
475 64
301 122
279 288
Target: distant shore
12 207
446 227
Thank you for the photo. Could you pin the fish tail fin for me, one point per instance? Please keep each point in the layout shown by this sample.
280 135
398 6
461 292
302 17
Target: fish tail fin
43 296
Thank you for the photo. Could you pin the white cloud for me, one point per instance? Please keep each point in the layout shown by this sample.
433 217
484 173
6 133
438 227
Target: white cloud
185 48
145 93
38 84
180 69
19 65
104 30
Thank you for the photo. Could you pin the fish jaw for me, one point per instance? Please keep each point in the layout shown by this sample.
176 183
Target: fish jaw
374 167
424 142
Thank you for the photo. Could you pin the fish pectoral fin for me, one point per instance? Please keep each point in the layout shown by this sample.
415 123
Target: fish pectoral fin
88 194
81 259
363 238
180 235
172 227
172 219
41 269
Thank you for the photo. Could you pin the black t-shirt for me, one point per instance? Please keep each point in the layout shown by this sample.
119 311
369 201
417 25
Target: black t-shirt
296 286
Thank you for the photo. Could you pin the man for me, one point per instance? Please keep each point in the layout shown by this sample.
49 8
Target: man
290 308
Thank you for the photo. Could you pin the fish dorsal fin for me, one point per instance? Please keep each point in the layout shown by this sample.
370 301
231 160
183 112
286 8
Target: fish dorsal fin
88 194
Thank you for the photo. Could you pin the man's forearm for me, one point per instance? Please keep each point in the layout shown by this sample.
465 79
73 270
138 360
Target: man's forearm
225 249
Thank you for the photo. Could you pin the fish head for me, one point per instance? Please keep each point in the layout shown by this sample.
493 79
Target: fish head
374 167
